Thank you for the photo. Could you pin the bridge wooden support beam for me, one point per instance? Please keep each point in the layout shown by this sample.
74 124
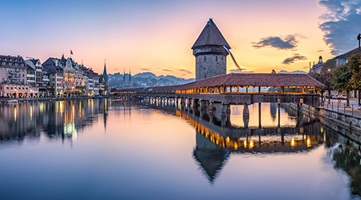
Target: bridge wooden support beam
201 104
259 115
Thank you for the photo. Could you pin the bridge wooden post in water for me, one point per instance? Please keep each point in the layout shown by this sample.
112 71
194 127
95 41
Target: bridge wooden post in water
259 115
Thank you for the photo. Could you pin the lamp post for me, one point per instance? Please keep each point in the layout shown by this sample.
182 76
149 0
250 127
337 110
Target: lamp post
359 39
359 51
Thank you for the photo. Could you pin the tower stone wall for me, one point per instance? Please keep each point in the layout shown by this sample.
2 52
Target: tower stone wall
209 65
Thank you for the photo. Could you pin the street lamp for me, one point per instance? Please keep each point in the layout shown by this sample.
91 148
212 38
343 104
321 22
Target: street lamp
359 39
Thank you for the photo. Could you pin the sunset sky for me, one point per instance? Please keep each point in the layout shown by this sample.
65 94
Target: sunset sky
157 35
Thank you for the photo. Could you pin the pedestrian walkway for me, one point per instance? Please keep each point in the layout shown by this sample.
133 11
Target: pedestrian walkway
340 107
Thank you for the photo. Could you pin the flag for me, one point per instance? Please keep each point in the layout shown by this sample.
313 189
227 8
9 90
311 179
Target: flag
71 52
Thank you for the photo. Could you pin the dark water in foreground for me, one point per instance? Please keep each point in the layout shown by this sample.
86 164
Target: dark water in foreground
98 149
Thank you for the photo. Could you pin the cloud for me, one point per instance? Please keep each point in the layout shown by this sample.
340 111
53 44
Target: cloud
341 24
185 71
167 70
294 58
288 42
145 69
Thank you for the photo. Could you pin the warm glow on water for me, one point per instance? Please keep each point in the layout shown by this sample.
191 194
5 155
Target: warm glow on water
269 116
97 149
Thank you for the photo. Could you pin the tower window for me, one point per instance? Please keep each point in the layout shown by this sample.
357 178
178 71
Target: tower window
216 58
205 58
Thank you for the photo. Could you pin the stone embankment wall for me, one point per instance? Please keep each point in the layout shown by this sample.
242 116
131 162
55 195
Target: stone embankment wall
344 123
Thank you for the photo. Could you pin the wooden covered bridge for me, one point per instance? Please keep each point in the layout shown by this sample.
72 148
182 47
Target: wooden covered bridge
238 88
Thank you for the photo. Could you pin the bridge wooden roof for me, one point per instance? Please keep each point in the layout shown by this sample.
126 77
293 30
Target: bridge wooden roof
239 79
255 80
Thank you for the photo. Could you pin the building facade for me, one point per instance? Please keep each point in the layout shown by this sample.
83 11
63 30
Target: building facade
54 69
13 70
54 78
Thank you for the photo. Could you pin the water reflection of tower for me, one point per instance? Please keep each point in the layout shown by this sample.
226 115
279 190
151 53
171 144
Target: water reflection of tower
245 115
105 112
211 157
273 109
127 106
235 110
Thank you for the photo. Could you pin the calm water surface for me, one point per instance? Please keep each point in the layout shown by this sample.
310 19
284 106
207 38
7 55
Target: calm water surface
100 149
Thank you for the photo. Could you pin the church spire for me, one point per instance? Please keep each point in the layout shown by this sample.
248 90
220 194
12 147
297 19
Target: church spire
105 75
105 67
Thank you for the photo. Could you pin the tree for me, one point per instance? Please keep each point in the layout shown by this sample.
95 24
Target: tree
325 77
354 65
342 80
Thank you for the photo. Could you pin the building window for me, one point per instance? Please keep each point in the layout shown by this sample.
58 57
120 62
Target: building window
205 58
216 58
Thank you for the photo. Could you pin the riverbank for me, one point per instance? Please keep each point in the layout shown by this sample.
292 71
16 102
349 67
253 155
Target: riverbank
344 120
5 100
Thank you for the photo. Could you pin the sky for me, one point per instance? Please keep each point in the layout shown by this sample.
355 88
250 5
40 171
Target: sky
157 35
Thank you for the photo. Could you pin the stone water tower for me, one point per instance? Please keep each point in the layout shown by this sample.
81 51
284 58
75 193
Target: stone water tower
210 52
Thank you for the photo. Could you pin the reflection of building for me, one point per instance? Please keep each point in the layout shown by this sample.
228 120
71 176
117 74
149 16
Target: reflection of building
210 156
273 110
214 143
56 118
262 140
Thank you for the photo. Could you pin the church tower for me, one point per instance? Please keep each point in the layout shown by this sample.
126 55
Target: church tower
210 50
105 74
104 81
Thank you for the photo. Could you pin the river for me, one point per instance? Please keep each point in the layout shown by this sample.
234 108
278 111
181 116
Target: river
102 149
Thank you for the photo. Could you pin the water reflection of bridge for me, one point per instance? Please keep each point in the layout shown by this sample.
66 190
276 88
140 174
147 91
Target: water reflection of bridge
216 143
253 139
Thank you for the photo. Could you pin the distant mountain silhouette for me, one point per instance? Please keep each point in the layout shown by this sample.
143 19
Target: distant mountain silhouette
144 79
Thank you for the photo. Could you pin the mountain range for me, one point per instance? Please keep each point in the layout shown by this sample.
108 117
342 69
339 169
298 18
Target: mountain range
144 79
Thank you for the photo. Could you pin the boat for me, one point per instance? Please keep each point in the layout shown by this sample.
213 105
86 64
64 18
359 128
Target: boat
12 101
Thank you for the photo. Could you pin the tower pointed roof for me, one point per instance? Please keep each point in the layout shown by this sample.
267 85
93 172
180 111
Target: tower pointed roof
210 36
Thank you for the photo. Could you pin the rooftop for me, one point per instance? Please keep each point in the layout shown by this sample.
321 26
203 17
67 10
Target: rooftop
210 36
255 79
